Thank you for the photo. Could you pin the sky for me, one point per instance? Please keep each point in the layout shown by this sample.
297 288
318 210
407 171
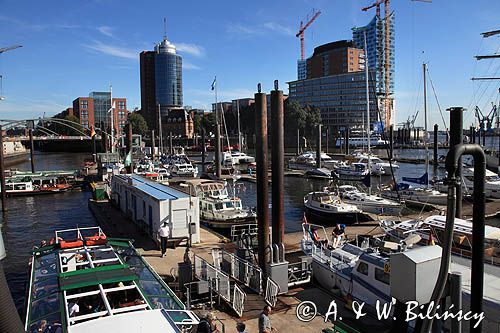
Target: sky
71 48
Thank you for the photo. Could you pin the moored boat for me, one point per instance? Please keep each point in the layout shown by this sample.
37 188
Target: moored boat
82 281
369 203
327 208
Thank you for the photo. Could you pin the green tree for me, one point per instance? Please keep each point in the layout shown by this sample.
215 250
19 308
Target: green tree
139 125
295 117
209 122
74 128
313 119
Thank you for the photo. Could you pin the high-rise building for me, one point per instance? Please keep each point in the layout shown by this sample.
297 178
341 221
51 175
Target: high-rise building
301 69
335 58
375 40
161 82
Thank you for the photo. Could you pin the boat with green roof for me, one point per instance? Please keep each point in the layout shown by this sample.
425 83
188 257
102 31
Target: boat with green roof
82 281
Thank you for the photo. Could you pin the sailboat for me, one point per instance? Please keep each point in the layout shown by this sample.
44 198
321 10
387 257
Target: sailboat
425 194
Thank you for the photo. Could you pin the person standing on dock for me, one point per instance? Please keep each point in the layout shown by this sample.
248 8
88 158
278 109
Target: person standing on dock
164 233
264 321
337 234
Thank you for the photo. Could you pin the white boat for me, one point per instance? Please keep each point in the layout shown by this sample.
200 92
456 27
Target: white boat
363 273
431 230
327 208
359 142
491 185
307 161
236 157
369 203
353 171
377 165
319 173
419 195
217 208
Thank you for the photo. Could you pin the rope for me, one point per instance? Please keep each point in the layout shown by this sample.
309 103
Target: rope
437 101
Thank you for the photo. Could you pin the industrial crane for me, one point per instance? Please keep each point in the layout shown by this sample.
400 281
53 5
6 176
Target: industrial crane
13 47
302 28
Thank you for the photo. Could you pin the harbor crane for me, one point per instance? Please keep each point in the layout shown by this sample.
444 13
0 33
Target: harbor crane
303 28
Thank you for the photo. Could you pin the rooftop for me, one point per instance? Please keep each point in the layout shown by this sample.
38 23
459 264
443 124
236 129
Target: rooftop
153 189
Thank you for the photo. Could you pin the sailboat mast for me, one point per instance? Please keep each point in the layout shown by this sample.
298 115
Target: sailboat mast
424 68
240 144
367 113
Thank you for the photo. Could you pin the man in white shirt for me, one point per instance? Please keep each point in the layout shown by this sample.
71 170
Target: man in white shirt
74 308
164 233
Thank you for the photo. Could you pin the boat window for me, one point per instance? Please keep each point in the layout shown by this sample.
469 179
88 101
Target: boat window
44 306
45 287
218 206
20 187
229 204
363 268
51 323
382 276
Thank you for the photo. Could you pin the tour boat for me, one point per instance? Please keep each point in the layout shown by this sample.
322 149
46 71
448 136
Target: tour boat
325 207
82 281
369 203
431 230
217 208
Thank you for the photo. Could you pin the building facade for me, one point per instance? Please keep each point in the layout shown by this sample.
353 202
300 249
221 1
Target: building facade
375 42
335 58
93 110
161 82
179 122
340 98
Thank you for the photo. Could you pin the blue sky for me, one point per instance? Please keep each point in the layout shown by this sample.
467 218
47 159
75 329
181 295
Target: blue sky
74 47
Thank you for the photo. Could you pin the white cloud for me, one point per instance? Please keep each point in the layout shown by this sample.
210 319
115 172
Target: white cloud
187 65
105 30
238 29
193 49
113 50
273 26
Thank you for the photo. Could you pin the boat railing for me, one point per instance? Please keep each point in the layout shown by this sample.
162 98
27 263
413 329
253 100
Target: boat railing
78 233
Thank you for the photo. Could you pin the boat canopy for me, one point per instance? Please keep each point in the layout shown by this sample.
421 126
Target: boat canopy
462 226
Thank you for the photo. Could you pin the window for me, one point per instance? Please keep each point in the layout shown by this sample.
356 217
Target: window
363 268
382 276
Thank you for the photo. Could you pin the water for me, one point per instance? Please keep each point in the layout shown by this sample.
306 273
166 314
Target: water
31 219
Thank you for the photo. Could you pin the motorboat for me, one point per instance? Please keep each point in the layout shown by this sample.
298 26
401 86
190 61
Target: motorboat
362 272
327 208
369 203
319 173
431 230
351 172
217 208
491 185
82 281
410 194
377 165
237 157
307 160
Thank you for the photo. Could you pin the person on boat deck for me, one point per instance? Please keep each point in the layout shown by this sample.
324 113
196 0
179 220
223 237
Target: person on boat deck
74 308
317 240
337 234
207 324
164 233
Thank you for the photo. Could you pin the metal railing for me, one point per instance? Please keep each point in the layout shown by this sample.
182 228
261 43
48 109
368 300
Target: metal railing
239 230
239 269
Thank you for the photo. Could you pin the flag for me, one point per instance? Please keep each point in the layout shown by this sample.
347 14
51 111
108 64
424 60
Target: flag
304 219
214 83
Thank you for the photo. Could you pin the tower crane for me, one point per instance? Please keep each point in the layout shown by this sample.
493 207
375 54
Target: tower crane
303 28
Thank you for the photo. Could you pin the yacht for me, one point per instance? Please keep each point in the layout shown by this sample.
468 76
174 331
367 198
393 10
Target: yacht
325 207
180 166
82 281
236 157
307 160
377 166
419 195
431 230
351 172
217 208
369 203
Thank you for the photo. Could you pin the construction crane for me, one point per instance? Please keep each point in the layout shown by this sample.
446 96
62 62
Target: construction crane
303 28
13 47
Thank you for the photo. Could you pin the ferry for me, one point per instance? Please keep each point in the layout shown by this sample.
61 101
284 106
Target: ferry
359 142
82 281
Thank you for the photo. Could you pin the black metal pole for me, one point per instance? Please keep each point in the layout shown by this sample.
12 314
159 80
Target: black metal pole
203 147
473 134
262 177
2 173
217 143
391 142
456 138
347 140
171 147
32 151
104 138
436 128
278 165
318 148
129 148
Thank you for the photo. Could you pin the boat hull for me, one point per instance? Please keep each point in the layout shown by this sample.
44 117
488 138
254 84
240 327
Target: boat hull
332 218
